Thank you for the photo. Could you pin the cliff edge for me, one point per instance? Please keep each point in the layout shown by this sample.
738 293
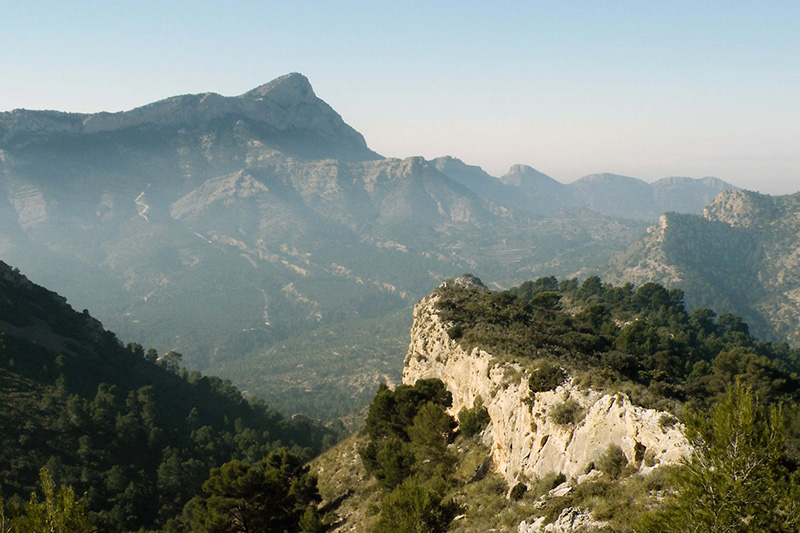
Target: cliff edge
527 441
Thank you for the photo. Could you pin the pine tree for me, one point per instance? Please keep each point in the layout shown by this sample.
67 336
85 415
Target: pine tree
735 480
58 512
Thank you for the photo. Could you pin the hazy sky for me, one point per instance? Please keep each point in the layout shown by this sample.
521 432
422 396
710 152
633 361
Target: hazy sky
645 89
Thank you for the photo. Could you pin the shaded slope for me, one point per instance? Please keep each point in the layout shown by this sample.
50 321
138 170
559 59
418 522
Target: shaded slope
136 433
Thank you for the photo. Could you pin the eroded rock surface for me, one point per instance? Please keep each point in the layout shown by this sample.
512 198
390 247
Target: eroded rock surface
526 442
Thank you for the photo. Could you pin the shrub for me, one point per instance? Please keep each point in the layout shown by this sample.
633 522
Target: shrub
518 491
547 483
567 412
473 421
612 462
666 421
417 505
545 376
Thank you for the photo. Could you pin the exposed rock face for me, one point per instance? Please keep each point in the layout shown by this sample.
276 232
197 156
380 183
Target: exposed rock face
654 264
466 281
526 442
570 519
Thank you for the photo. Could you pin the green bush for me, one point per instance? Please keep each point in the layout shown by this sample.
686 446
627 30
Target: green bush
417 506
545 376
567 412
518 491
666 421
408 430
737 479
612 462
473 421
59 512
546 483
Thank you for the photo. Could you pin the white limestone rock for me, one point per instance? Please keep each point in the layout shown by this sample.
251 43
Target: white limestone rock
526 444
571 519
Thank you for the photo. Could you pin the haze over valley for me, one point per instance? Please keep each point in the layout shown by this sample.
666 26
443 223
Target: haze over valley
259 236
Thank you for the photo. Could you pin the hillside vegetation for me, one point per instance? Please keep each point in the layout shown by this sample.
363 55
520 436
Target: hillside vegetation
129 428
641 341
739 256
417 468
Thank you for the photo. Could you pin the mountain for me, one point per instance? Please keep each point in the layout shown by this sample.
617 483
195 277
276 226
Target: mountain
540 192
738 256
238 230
284 114
130 429
619 194
522 187
687 195
259 235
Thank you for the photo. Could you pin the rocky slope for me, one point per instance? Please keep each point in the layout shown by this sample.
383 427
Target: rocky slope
527 444
739 256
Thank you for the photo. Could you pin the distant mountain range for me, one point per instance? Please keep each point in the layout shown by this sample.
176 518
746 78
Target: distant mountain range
238 230
526 188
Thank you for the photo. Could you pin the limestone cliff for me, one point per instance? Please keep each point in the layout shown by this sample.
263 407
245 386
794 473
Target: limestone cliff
526 442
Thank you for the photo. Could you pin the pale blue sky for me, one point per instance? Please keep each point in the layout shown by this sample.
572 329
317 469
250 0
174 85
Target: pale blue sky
647 89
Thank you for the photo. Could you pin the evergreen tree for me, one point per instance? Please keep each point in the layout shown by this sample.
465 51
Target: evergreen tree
58 512
272 495
735 480
417 506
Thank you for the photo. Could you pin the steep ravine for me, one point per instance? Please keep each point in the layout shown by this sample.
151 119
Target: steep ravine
526 443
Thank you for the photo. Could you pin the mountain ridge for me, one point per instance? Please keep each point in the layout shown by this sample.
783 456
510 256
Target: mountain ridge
524 187
738 256
286 105
226 238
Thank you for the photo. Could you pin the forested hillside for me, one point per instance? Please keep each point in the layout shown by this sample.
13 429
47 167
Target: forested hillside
640 340
129 427
573 356
740 257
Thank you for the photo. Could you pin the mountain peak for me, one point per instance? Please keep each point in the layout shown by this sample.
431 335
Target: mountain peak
521 175
291 87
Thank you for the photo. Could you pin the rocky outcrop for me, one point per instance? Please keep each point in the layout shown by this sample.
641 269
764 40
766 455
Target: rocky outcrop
527 443
570 519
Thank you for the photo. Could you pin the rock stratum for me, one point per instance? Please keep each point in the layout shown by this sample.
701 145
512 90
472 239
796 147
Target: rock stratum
526 444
